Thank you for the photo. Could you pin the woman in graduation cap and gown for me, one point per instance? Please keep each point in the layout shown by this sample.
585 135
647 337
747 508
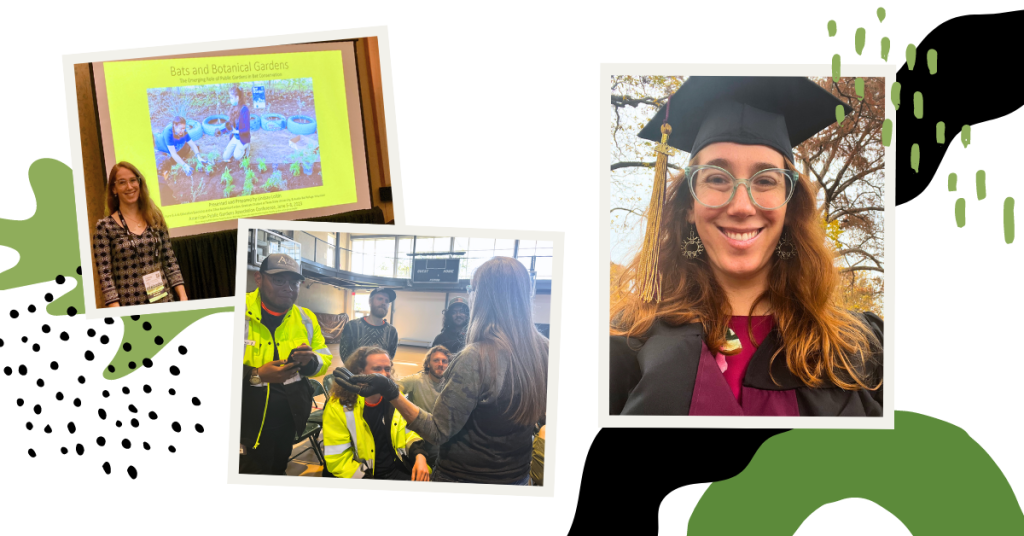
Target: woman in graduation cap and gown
730 308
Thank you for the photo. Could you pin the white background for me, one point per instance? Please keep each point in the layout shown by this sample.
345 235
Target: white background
497 112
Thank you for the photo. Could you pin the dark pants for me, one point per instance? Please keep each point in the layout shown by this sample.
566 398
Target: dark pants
276 442
440 476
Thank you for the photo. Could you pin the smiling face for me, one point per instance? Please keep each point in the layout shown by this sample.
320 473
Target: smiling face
179 129
460 314
739 238
126 186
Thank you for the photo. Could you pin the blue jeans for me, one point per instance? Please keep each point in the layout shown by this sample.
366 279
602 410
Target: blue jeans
441 476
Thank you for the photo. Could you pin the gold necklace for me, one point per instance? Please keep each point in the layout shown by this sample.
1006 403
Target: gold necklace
137 223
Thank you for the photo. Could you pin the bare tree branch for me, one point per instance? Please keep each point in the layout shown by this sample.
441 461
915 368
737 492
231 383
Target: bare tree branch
619 165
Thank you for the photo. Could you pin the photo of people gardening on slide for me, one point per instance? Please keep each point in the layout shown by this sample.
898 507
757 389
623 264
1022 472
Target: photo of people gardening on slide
217 141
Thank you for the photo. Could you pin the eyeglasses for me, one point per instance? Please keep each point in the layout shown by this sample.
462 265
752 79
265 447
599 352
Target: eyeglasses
767 189
286 281
134 181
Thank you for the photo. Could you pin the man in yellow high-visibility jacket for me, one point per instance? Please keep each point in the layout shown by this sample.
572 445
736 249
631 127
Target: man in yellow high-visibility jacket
283 346
367 437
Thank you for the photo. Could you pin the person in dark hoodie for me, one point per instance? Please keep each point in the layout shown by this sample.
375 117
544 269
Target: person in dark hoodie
453 330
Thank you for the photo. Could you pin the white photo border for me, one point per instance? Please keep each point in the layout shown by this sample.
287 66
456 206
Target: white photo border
886 421
92 309
551 433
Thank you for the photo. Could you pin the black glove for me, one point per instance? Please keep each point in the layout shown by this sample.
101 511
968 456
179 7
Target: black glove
368 385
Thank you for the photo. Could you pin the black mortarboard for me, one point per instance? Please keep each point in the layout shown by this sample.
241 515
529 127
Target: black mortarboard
776 111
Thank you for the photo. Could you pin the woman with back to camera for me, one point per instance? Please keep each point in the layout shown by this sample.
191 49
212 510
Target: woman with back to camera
740 315
237 125
131 247
494 391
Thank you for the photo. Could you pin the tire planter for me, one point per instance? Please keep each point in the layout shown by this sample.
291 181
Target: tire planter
211 129
158 141
254 123
301 128
194 129
272 121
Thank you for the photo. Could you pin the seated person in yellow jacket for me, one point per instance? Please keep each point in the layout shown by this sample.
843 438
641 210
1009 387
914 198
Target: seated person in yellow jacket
283 346
367 437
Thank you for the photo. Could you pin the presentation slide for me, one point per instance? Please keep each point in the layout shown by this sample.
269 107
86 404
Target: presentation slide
227 137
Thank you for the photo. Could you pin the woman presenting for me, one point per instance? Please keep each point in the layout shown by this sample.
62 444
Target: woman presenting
494 391
739 315
131 247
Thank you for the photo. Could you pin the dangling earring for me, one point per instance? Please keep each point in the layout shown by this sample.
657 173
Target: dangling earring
786 249
692 247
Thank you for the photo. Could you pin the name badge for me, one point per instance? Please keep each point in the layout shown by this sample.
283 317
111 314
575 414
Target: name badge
155 289
250 343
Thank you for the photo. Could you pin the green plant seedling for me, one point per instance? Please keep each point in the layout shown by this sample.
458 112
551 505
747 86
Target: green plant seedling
226 176
261 165
244 163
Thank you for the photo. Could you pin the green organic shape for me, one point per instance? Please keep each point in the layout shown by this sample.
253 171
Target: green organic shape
858 85
911 56
142 343
929 473
840 114
885 49
958 211
952 182
835 68
831 28
896 94
47 242
1008 227
918 105
886 132
858 40
940 132
881 14
915 156
979 181
933 59
965 135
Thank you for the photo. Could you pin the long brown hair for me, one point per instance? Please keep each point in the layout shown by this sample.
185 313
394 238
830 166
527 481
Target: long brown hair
236 110
147 208
355 363
820 340
501 323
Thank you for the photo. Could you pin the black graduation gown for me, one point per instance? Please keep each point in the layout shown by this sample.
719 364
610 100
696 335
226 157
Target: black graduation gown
657 377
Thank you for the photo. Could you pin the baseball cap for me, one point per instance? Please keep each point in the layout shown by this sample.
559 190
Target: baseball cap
388 292
277 263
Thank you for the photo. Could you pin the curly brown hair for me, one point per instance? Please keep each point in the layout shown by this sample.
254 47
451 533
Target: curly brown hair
355 363
431 352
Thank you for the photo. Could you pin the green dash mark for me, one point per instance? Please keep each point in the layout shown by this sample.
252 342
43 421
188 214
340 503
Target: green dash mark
840 114
858 85
952 182
896 94
915 156
886 132
911 56
933 60
1008 227
835 68
979 180
858 40
881 14
139 343
831 28
965 135
885 49
918 105
940 132
961 204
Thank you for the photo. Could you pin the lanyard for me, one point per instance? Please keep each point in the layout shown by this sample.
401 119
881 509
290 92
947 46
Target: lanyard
131 238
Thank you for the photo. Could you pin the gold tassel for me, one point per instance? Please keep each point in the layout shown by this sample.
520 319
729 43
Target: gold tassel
650 278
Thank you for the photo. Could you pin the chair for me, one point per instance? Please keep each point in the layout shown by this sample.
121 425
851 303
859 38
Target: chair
314 424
